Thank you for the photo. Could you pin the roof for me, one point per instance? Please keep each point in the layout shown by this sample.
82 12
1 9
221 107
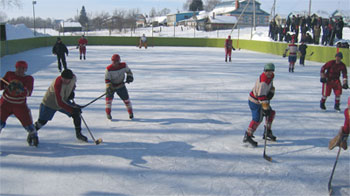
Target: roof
70 24
223 20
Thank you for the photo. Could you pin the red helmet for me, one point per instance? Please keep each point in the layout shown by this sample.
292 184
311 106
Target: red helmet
115 57
22 64
229 36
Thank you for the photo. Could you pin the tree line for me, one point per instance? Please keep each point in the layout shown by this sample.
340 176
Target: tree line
119 19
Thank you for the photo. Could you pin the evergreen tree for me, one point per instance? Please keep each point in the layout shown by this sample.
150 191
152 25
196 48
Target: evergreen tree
83 19
196 5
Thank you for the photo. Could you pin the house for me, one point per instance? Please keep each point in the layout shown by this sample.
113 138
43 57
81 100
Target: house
235 8
157 21
173 19
214 22
140 20
70 26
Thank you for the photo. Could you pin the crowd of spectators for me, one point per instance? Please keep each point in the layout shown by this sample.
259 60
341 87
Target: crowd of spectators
307 29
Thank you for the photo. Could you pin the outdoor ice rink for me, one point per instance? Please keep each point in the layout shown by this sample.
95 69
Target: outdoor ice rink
191 112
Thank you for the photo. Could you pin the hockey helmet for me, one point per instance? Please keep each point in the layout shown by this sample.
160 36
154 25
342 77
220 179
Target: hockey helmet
67 74
115 57
229 36
269 67
22 64
339 54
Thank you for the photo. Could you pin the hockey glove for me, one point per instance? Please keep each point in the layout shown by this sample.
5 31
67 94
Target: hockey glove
284 55
345 85
110 90
129 79
323 80
266 112
77 46
76 111
15 87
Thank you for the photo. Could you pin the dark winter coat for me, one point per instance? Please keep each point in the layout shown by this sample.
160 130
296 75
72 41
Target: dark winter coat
59 49
302 49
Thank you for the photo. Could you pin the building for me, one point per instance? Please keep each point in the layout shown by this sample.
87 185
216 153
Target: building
70 26
235 8
173 19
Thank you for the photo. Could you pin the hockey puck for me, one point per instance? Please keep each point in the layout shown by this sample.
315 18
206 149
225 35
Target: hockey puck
98 141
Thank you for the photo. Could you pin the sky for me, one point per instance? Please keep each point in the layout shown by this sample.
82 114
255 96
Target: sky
65 9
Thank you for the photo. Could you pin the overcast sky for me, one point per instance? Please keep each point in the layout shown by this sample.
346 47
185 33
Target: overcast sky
64 9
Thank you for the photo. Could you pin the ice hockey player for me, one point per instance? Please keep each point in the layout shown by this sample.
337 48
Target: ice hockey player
143 41
302 49
292 57
82 46
228 48
58 98
17 87
330 73
259 104
341 138
59 49
114 79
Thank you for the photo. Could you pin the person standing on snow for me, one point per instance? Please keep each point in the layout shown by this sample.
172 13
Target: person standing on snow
114 79
59 49
228 48
302 50
330 73
259 104
17 87
293 49
57 98
143 41
82 46
341 138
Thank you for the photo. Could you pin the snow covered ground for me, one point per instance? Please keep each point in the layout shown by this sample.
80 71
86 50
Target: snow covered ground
191 112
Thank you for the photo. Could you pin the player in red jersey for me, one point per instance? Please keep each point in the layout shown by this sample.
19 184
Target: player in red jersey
343 134
17 87
330 73
228 48
82 46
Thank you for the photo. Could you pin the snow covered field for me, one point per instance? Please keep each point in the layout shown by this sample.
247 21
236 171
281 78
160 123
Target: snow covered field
190 112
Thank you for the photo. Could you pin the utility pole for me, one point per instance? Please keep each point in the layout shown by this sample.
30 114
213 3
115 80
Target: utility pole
309 7
34 2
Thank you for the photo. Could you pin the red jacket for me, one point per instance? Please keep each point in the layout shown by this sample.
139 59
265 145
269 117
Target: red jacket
27 82
332 70
83 42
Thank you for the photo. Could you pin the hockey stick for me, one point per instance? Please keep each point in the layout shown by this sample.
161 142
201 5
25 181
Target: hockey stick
99 140
2 79
268 158
330 190
311 54
93 100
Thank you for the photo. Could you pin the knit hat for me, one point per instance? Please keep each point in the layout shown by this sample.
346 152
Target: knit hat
339 54
67 74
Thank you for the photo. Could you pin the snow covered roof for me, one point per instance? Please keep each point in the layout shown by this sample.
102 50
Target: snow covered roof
159 19
70 24
223 19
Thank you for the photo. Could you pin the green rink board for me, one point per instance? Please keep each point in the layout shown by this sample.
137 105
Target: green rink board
320 53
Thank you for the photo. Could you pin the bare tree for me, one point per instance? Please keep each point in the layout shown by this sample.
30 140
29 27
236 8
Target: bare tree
118 19
186 5
210 4
164 12
153 12
11 3
3 16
